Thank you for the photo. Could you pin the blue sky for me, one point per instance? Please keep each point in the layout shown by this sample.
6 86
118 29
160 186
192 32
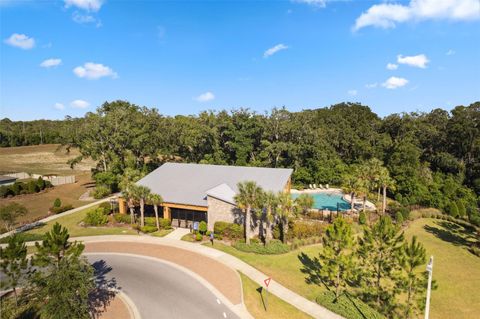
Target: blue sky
182 57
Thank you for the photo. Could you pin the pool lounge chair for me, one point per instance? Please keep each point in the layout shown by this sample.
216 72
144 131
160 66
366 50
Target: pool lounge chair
310 186
314 186
326 186
320 186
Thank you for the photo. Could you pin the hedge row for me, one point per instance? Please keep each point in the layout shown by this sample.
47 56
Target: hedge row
274 247
19 188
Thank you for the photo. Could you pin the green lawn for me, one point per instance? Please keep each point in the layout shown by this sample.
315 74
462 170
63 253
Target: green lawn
276 308
72 223
455 269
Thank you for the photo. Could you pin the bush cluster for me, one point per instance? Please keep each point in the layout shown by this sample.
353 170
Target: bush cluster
164 223
297 243
229 230
61 209
19 188
274 247
101 191
306 229
148 229
96 217
122 218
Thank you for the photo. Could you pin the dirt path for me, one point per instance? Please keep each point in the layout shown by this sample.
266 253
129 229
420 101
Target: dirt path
220 276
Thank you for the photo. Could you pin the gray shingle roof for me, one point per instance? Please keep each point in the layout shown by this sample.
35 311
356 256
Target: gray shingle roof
189 183
4 178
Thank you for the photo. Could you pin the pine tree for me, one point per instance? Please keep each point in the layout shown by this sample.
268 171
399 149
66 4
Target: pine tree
14 262
334 266
65 279
379 251
413 283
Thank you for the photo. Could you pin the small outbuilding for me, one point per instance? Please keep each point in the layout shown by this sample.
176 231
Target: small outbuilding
7 180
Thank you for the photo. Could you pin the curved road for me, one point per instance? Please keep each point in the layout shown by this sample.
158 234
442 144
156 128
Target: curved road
159 290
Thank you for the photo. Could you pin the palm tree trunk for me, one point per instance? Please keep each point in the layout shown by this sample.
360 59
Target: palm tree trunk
247 225
155 208
384 202
352 199
268 232
364 203
378 194
285 230
142 212
132 214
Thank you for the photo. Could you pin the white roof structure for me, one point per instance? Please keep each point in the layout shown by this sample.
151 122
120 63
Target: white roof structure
190 184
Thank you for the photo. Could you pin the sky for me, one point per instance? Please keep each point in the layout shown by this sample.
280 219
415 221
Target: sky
61 58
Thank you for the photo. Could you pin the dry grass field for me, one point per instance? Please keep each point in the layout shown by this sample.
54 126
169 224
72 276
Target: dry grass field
46 159
40 159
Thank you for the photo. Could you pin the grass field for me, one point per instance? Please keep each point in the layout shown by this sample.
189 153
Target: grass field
40 159
455 269
277 308
72 223
45 159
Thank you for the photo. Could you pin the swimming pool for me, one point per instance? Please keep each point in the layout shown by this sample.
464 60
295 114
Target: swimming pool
328 201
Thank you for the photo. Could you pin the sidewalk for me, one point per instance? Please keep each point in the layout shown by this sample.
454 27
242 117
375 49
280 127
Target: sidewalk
303 304
178 233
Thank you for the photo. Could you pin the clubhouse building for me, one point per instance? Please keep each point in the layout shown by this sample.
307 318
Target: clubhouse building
199 192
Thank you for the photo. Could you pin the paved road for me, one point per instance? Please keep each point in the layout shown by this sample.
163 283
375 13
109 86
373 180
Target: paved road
160 290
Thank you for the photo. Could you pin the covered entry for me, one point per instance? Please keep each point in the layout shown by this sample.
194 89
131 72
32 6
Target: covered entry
184 215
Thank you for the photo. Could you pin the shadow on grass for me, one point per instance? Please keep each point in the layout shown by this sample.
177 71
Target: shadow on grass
450 232
105 290
260 291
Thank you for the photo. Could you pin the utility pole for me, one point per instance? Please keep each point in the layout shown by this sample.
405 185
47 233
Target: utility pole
429 287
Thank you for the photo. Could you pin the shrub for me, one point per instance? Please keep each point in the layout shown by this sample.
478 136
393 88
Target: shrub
297 243
5 191
202 227
475 250
230 230
148 229
474 218
16 188
107 180
150 221
122 218
57 202
48 184
40 183
107 207
274 247
362 218
101 191
399 218
462 211
305 229
165 223
347 306
95 217
32 187
198 237
315 214
61 209
452 209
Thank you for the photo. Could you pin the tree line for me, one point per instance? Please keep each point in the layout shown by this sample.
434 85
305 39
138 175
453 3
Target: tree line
433 158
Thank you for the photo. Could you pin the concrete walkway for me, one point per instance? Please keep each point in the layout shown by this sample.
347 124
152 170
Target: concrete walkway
178 233
303 304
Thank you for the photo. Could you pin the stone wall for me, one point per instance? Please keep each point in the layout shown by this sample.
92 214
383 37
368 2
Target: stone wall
219 210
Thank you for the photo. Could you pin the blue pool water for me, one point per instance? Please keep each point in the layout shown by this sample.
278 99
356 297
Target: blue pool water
328 201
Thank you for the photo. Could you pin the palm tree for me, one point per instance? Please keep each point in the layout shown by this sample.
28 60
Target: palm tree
142 193
155 200
129 189
248 197
385 182
286 205
131 196
269 204
304 203
351 185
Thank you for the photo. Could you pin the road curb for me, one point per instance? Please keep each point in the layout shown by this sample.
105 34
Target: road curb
132 308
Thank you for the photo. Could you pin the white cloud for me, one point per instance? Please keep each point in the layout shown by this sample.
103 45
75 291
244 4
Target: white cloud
59 106
50 63
21 41
394 82
387 15
392 66
275 49
83 18
419 61
94 71
205 97
371 85
352 92
315 3
79 104
88 5
450 52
